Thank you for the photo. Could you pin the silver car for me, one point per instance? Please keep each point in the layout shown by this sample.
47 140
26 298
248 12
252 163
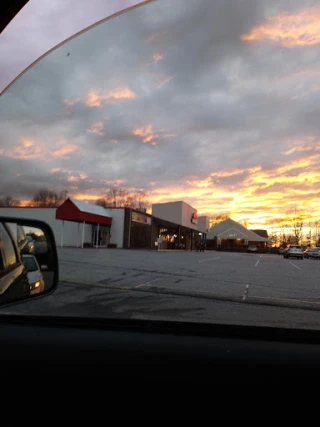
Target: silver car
293 251
313 253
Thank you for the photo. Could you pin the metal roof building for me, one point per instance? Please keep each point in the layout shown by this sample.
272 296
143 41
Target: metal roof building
232 230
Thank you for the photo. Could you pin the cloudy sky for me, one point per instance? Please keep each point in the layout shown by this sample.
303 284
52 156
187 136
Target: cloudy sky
214 102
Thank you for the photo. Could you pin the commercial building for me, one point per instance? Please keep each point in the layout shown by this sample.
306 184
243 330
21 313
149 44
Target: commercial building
177 225
79 224
230 234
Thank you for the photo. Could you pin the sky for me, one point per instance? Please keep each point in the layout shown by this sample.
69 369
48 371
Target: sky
212 102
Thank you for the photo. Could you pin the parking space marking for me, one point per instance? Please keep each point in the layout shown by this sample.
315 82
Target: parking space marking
257 263
295 265
246 291
209 259
155 280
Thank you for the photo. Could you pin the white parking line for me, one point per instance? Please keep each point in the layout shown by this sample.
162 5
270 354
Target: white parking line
246 291
257 263
295 266
209 259
158 278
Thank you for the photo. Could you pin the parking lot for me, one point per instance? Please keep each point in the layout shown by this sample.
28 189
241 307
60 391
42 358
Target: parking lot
218 287
238 275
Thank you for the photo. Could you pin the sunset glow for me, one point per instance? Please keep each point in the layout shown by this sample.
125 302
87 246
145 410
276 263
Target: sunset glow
146 134
289 30
188 101
95 98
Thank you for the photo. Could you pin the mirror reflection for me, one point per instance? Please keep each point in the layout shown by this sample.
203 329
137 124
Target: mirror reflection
26 262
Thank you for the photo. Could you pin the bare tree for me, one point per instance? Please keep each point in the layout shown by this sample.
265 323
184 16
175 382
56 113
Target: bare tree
296 221
142 199
119 197
218 218
244 222
316 233
275 239
46 198
9 202
102 202
64 194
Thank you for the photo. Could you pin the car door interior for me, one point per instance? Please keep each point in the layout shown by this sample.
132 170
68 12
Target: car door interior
158 351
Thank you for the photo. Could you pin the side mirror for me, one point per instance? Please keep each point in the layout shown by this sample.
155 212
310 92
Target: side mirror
28 260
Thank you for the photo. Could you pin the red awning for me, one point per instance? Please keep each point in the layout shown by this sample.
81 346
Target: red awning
73 210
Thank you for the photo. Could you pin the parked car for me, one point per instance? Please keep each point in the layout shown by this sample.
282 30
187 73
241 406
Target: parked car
293 251
281 250
35 277
252 248
31 244
306 252
13 274
312 253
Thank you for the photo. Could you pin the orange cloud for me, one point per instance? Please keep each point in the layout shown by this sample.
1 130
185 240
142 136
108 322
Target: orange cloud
55 170
71 102
157 57
302 146
27 150
289 30
113 183
95 99
146 134
165 81
96 128
27 142
261 196
64 151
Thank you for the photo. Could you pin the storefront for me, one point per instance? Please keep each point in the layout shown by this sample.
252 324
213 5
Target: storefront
176 225
140 233
97 217
79 224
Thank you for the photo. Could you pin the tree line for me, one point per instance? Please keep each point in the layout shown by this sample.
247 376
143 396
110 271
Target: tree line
114 197
119 197
44 198
297 229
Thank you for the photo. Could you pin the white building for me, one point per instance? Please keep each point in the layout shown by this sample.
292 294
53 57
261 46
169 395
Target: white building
79 224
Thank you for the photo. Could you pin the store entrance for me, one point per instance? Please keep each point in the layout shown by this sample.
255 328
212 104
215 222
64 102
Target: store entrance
100 235
169 238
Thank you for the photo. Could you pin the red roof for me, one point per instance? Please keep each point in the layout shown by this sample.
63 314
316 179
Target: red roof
73 210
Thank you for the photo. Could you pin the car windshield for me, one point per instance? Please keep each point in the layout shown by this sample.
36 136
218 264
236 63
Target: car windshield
174 149
30 263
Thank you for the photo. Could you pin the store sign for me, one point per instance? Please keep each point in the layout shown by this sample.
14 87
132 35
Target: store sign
194 218
138 217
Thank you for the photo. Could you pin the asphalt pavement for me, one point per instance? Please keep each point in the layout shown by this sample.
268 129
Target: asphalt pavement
225 274
219 287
